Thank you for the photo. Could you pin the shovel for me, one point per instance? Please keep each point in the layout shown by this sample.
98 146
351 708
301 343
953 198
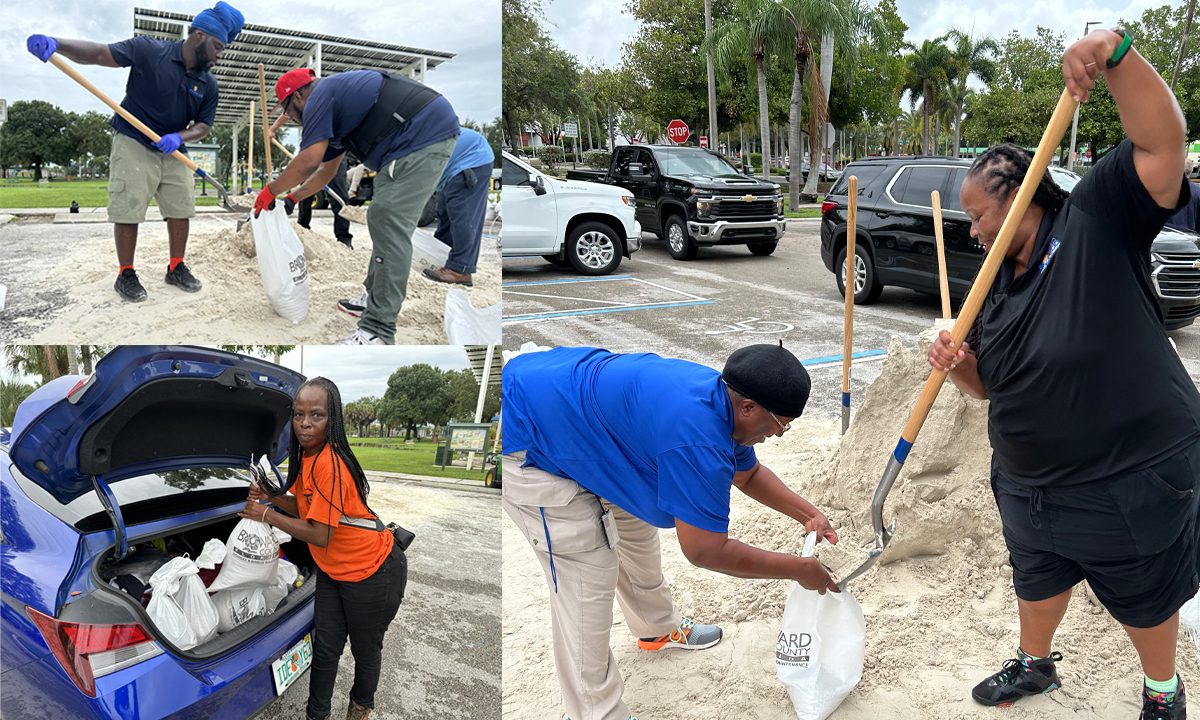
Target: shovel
328 189
74 75
1037 168
851 284
936 197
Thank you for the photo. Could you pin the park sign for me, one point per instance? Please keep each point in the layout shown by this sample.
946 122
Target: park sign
678 132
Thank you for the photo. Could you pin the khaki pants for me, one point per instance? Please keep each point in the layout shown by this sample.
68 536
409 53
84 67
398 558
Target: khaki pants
561 521
137 173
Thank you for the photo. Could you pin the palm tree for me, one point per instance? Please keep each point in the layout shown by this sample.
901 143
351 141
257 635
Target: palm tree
747 32
968 56
925 72
12 394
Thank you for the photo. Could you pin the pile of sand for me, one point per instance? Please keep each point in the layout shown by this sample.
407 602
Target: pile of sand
940 608
232 307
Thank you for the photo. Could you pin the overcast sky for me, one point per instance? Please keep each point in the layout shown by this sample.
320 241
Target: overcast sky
597 28
361 371
468 28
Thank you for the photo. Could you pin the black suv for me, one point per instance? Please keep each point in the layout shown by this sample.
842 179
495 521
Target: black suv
692 197
895 242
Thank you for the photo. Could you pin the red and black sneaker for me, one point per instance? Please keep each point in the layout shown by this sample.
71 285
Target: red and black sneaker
1163 706
1020 677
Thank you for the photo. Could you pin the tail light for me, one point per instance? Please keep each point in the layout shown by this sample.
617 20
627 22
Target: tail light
88 651
827 206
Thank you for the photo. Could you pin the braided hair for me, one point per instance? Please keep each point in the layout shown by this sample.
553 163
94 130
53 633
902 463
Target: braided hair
1002 169
335 441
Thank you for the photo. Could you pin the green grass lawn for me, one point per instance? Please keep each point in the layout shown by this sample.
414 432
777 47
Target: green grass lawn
60 193
415 459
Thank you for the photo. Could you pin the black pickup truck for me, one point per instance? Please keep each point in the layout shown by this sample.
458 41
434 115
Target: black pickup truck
692 198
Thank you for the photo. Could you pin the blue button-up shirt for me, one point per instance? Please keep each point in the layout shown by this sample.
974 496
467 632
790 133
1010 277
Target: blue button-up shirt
161 92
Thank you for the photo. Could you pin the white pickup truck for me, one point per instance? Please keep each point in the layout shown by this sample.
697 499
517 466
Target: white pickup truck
569 223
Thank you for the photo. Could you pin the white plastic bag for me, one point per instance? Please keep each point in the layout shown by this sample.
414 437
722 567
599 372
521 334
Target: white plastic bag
527 347
281 263
283 582
251 557
235 607
179 605
428 252
467 326
819 652
212 555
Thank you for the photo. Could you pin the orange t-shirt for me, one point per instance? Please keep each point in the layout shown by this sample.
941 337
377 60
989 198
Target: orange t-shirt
354 553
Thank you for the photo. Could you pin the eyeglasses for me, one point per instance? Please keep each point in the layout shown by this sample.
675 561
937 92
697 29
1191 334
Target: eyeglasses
781 425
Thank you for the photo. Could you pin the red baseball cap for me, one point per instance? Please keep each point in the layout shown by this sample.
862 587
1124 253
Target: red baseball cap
291 81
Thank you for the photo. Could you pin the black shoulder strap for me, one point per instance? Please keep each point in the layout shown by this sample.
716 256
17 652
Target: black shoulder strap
400 98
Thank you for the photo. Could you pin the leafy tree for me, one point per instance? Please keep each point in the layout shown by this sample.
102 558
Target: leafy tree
539 76
463 392
263 351
91 140
37 134
12 394
416 395
361 413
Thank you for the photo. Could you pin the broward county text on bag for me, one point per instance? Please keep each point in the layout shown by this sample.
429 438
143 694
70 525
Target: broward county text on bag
819 652
281 263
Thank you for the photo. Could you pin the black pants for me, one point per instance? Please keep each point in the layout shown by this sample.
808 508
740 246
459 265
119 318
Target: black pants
461 208
341 226
361 611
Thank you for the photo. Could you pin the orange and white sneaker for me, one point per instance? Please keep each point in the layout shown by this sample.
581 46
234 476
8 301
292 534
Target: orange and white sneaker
690 635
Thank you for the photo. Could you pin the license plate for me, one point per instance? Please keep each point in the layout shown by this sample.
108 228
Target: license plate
292 665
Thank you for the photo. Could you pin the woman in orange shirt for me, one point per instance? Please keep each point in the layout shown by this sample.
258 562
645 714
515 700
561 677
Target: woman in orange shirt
361 571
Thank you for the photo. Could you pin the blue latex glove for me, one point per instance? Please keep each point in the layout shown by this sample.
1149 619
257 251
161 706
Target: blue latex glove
169 143
42 46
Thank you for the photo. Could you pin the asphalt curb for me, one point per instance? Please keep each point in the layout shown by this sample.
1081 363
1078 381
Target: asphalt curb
428 481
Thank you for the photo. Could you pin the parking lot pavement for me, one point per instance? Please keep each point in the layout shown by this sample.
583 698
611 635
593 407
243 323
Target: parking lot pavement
704 309
441 655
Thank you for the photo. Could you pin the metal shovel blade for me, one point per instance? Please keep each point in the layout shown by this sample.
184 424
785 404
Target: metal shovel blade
228 203
882 535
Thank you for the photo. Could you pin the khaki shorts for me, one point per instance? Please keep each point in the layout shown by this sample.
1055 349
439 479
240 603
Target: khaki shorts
137 173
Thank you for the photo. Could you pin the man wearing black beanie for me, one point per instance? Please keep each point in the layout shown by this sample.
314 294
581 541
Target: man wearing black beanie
604 449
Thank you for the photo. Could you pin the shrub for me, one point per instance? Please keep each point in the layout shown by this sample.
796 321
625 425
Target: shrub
551 154
597 159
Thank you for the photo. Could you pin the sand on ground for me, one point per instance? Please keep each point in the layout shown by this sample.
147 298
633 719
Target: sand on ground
940 608
232 307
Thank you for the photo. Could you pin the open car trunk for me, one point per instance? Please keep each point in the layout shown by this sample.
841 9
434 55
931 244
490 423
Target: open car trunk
194 536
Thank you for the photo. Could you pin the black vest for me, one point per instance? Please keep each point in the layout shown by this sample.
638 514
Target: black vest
399 99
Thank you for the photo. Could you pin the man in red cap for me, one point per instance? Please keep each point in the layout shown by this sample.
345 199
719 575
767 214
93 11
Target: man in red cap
397 127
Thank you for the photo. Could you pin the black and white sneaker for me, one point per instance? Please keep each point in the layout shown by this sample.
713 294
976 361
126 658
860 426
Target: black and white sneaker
183 279
129 287
355 306
1019 678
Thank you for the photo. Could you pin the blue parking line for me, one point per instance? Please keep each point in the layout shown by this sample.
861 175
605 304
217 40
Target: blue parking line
837 358
571 280
605 310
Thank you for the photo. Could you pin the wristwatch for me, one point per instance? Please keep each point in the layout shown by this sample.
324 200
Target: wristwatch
1122 49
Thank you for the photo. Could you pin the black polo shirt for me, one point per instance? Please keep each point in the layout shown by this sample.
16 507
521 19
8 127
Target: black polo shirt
1082 380
160 91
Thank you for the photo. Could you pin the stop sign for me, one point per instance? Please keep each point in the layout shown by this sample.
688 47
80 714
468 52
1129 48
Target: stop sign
678 131
1088 154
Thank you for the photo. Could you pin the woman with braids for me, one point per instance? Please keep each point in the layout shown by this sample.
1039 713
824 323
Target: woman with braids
361 571
1093 420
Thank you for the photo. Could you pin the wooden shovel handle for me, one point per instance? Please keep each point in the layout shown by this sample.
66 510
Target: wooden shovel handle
262 88
74 75
941 253
851 236
991 265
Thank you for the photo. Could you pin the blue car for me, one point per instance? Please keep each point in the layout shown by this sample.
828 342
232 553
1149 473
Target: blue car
151 447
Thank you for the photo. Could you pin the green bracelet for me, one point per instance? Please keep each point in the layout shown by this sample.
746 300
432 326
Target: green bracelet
1122 49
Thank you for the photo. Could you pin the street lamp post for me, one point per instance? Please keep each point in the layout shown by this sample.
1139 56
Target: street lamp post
1075 122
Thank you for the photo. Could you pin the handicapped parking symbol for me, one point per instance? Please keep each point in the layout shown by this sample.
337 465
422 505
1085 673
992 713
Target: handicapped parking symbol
754 325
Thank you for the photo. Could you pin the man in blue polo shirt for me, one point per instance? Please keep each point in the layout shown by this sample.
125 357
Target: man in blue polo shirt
403 130
462 196
171 90
603 449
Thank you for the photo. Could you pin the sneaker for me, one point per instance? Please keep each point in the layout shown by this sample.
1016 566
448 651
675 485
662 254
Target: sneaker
129 287
360 337
689 636
1017 680
355 306
1164 706
448 276
182 278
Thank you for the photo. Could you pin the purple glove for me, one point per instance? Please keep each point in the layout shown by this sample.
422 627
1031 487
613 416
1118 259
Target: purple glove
42 46
169 143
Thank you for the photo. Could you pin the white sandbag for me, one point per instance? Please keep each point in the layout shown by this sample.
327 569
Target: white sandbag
164 608
528 347
819 652
235 607
281 263
428 252
212 555
251 557
283 583
280 536
467 326
192 597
